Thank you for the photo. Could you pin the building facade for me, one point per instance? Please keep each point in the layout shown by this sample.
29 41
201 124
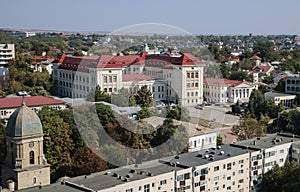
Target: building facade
7 53
292 83
287 99
225 90
25 165
235 167
179 79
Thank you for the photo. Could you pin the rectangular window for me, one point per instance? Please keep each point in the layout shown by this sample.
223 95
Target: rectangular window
147 188
216 168
216 178
163 182
228 166
281 151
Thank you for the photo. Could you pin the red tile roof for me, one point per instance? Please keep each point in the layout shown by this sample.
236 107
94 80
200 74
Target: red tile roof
283 76
107 61
43 58
229 82
264 69
7 103
136 77
230 56
255 57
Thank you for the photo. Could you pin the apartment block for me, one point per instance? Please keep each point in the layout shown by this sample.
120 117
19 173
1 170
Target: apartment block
292 83
7 53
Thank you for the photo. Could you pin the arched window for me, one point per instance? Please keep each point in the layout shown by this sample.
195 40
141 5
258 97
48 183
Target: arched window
31 157
34 180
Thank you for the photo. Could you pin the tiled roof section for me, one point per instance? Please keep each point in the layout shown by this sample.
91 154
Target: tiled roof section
161 61
136 77
229 82
107 61
263 68
283 76
77 63
255 57
8 103
43 58
230 56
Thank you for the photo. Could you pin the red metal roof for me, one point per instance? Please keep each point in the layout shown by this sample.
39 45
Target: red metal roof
7 103
136 77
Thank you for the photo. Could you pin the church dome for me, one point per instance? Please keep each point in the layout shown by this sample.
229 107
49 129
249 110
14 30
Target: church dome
24 122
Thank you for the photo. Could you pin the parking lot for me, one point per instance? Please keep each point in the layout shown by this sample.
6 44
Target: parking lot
214 114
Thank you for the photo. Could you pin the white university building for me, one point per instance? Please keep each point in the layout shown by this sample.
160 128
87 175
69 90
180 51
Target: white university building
173 78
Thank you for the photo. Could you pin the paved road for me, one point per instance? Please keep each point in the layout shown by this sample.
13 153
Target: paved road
214 113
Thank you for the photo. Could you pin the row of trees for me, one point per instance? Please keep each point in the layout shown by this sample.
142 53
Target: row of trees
64 148
285 178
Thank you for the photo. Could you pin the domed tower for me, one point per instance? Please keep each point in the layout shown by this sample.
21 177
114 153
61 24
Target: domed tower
25 165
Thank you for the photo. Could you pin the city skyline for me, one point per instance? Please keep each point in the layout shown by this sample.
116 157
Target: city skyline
210 17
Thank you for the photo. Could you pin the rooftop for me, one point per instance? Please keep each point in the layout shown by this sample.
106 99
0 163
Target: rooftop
203 157
136 77
277 94
220 81
108 61
193 129
269 141
111 178
31 101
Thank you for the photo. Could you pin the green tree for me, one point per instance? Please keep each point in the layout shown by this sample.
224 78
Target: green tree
98 95
285 178
219 140
144 113
122 98
280 86
144 97
249 128
58 145
179 113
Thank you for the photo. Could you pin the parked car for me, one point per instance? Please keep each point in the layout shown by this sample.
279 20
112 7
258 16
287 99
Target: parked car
199 106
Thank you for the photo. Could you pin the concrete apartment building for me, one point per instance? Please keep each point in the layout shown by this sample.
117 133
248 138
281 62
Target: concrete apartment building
178 79
21 34
235 167
292 83
275 149
7 53
225 90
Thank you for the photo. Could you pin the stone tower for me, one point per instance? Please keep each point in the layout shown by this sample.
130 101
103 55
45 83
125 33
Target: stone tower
25 165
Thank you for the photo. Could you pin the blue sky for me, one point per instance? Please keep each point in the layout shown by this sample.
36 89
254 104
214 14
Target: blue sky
195 16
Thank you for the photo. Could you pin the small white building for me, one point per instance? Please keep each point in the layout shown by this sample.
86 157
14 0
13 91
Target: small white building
287 99
225 90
